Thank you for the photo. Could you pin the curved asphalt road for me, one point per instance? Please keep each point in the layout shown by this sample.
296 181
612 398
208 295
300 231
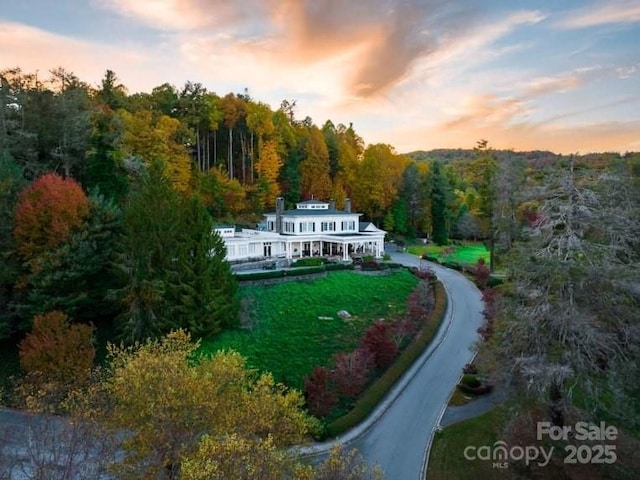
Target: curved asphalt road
397 436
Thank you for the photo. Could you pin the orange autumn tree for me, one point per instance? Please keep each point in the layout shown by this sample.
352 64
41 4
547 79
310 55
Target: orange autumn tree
57 349
48 212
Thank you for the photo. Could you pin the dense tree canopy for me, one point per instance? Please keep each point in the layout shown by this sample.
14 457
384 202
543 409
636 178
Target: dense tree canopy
171 404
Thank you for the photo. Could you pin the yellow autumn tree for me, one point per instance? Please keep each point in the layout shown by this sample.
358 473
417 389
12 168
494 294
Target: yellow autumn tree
379 178
168 401
242 458
268 168
153 139
246 459
222 196
314 169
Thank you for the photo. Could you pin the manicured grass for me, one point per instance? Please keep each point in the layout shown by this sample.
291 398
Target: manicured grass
288 337
447 460
464 254
458 398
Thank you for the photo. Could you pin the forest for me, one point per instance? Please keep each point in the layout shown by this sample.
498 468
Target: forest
107 195
108 200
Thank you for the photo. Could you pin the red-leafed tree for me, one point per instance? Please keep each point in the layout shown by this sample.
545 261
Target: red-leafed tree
481 273
377 339
489 296
403 330
320 392
47 213
352 371
57 349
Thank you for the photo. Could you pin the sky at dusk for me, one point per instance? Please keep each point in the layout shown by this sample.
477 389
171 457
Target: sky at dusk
550 75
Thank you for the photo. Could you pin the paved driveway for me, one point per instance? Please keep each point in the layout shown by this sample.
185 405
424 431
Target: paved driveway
398 434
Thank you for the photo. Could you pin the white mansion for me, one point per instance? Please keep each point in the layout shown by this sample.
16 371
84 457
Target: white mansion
312 229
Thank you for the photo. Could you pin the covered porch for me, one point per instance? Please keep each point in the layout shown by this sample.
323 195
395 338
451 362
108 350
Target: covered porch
342 247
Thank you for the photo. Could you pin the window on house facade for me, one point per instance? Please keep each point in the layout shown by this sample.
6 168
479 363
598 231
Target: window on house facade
328 226
289 227
348 226
271 226
242 250
306 227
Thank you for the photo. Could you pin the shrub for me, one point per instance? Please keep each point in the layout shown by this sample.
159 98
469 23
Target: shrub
481 273
470 380
338 266
470 368
424 273
319 392
370 265
494 282
489 296
377 339
352 370
394 265
309 262
479 390
260 275
452 265
56 349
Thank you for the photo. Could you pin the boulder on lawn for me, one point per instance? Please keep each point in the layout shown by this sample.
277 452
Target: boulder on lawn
344 314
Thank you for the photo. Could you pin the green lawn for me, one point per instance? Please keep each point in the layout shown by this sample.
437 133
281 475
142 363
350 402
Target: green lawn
463 254
447 460
289 339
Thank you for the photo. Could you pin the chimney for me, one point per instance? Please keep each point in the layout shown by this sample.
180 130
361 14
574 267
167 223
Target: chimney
332 204
279 210
347 205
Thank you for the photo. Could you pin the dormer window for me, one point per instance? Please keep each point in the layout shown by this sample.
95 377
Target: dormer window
312 205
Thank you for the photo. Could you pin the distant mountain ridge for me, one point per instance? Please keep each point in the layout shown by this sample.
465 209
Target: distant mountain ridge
448 154
534 158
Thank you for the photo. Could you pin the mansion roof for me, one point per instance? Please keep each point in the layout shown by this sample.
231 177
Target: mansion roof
314 208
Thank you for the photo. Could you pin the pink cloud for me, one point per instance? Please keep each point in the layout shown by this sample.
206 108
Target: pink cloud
603 13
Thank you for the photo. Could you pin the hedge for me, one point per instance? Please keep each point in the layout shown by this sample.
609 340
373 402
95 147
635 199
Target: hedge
376 392
270 274
393 265
338 266
309 262
260 275
453 265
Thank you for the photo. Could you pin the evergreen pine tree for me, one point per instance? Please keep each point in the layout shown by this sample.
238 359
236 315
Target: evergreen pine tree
201 288
439 201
